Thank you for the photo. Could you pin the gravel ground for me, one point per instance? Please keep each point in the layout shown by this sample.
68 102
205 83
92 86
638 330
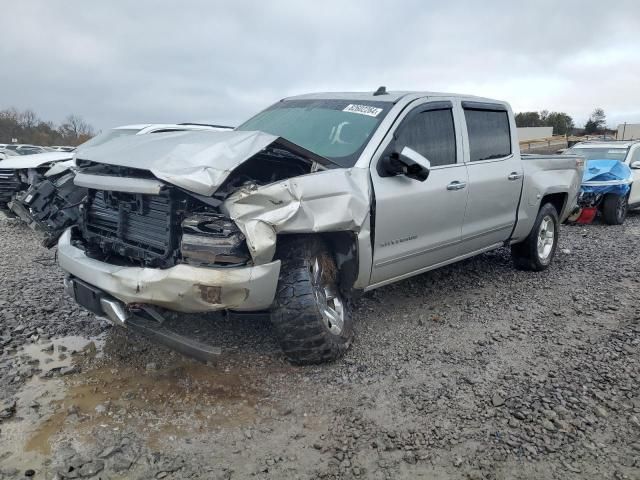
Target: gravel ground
474 371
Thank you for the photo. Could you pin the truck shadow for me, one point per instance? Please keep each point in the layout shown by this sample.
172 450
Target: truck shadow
251 337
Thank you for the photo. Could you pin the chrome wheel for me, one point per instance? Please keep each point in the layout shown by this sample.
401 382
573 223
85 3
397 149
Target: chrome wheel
327 298
546 238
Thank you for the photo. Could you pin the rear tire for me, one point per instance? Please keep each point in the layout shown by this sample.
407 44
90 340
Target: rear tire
311 317
536 252
614 209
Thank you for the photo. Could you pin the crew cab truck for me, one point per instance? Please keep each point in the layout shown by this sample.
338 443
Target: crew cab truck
305 206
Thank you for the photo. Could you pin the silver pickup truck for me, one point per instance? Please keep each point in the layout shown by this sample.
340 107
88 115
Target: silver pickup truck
305 206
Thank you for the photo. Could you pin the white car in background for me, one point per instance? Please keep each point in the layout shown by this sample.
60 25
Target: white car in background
40 190
625 151
4 154
25 149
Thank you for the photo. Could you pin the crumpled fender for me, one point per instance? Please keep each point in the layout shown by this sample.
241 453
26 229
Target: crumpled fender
324 201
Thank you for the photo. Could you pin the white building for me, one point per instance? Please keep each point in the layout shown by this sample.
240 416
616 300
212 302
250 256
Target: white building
534 133
628 131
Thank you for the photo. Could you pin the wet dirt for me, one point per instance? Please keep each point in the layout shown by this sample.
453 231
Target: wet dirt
58 353
473 371
29 431
164 403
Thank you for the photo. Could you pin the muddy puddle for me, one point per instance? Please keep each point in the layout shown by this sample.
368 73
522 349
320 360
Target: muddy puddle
59 353
159 404
38 399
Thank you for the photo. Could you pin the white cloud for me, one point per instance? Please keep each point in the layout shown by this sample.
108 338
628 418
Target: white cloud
124 62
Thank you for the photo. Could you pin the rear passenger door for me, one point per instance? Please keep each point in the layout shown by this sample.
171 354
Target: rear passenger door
495 175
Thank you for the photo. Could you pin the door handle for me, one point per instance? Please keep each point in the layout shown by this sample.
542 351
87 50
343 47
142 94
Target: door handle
514 176
456 185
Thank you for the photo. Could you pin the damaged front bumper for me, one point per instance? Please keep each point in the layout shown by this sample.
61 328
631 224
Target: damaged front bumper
182 288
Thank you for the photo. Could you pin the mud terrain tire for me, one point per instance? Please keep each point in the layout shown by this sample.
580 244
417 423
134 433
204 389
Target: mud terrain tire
311 317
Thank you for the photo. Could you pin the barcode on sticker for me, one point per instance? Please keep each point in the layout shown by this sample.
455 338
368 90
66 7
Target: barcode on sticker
363 110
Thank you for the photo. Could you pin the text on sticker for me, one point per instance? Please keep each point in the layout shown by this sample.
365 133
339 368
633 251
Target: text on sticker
363 110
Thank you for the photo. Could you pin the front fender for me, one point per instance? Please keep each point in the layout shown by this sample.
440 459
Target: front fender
326 201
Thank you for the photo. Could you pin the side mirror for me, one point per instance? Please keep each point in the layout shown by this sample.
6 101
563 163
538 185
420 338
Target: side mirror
636 164
408 162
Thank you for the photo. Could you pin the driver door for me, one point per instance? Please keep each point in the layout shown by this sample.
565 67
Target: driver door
418 224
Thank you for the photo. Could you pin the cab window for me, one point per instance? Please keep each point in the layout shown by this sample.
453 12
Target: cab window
432 134
489 134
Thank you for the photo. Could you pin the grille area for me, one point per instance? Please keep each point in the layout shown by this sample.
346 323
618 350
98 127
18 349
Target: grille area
9 184
141 228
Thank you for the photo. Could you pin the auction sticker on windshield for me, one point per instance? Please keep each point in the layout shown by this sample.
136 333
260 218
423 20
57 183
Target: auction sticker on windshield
363 110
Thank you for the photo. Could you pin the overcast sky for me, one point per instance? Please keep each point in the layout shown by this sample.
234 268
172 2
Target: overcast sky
119 62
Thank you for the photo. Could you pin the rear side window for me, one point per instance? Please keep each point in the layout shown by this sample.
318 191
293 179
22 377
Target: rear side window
430 133
489 134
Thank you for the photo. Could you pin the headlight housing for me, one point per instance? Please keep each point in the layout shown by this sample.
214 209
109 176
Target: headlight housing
212 239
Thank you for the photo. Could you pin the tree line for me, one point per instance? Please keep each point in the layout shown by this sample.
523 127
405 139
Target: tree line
26 127
562 123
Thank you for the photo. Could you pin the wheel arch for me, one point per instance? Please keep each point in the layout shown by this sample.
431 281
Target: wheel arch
343 246
558 200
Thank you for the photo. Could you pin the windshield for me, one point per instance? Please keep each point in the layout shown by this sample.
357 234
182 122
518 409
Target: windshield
109 135
599 153
335 129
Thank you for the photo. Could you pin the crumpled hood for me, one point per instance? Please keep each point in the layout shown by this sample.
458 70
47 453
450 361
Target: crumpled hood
198 161
606 170
606 176
36 160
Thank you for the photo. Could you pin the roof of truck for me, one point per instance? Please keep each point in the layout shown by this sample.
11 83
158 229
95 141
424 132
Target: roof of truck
390 96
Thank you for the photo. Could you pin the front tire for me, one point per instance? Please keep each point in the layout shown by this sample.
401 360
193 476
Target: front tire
536 252
614 209
311 317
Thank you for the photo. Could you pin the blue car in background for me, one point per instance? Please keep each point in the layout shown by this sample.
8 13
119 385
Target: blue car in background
608 180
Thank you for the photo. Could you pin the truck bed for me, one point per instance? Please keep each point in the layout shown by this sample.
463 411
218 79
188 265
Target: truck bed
544 175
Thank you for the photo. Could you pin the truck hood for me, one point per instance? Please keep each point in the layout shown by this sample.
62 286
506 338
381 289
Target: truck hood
198 161
36 160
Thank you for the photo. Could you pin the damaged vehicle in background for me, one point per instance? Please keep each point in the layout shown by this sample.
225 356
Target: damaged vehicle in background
611 182
4 154
307 205
19 173
40 190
